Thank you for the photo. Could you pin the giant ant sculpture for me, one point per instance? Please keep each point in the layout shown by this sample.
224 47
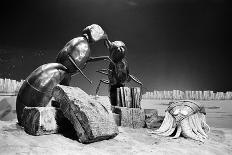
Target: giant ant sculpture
118 70
37 88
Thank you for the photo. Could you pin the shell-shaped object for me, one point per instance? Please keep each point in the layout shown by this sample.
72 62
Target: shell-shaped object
183 109
37 88
189 119
178 132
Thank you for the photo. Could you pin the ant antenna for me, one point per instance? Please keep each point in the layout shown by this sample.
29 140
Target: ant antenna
108 43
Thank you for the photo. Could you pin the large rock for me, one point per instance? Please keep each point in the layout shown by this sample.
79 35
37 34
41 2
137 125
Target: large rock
130 117
5 109
152 119
91 120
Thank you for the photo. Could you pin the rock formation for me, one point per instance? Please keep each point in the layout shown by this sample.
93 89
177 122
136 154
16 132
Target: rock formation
91 120
152 120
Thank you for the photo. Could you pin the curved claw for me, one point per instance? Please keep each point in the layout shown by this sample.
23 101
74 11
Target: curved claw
168 132
187 131
178 132
197 123
171 128
205 126
194 126
150 131
166 124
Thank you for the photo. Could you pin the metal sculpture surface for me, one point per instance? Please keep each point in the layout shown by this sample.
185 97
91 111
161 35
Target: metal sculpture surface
184 117
36 89
118 70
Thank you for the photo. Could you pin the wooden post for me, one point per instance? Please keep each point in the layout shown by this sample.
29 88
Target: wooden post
132 98
130 117
129 97
129 109
119 103
122 96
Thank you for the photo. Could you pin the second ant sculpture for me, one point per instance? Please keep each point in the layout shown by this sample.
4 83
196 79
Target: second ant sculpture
118 70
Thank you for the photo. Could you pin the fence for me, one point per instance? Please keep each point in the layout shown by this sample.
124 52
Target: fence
10 86
188 95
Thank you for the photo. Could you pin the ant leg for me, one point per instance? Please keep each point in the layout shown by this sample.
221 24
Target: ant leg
104 71
73 62
93 59
135 79
101 81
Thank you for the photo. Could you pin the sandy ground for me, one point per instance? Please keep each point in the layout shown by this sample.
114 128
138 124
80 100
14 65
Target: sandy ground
218 112
13 140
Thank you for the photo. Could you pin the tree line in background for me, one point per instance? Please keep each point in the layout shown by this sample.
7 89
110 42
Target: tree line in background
10 86
188 95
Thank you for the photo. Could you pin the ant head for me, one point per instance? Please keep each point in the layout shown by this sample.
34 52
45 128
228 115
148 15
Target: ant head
117 50
94 33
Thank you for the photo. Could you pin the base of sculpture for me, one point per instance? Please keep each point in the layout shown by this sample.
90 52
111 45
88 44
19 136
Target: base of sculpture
76 112
47 120
130 117
152 119
40 120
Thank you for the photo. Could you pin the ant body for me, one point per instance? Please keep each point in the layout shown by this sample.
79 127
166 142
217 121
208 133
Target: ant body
118 70
36 90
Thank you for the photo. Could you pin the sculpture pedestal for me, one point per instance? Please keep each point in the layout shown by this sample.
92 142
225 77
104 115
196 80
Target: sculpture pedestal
129 108
41 120
130 117
77 113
